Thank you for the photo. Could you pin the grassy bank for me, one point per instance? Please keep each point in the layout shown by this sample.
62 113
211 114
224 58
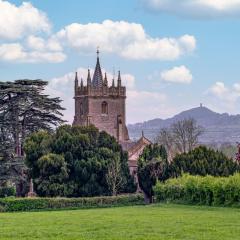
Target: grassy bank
136 223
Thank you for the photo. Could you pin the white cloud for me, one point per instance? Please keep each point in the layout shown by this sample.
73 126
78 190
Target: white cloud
40 44
219 89
21 22
16 22
126 39
224 96
236 87
67 80
195 8
15 52
36 43
128 80
179 74
50 57
11 52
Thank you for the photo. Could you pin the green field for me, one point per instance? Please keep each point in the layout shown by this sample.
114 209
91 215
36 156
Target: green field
140 222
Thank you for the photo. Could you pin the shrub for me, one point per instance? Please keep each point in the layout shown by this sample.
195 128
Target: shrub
152 166
36 204
208 190
7 191
203 161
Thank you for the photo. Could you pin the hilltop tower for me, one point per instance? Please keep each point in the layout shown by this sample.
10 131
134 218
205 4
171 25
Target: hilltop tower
100 104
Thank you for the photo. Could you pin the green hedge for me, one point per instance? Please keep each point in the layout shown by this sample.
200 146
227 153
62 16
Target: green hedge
35 204
7 192
209 190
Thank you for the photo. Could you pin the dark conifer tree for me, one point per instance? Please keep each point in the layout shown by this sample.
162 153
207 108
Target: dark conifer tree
24 109
152 166
203 161
86 154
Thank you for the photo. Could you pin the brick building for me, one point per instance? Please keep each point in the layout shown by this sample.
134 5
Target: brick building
104 106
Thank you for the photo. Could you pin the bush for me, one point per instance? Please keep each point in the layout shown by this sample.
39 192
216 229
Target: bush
152 166
208 190
7 191
203 161
33 204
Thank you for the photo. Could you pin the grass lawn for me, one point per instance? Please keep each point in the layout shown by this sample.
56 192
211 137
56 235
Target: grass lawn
140 222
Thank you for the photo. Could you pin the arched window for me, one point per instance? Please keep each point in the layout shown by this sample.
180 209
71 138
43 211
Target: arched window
104 108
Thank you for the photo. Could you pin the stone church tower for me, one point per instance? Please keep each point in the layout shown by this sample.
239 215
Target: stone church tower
100 104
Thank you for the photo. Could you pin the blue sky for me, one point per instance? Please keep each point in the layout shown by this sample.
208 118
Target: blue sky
173 54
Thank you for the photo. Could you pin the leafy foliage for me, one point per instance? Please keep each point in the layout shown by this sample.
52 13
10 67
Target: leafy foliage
152 166
203 161
74 162
7 191
206 190
53 174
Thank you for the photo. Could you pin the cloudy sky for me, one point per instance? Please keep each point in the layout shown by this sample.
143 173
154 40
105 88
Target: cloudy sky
173 54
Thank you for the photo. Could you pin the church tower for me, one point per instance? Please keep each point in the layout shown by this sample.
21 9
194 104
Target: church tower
100 104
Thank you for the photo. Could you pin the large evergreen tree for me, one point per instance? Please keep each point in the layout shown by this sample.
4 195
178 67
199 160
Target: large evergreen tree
85 152
24 109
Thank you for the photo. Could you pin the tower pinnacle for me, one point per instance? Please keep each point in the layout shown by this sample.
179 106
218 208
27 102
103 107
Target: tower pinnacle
98 51
89 78
76 80
105 80
119 79
97 76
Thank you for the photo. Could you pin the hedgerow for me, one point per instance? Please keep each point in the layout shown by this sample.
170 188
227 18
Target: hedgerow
208 190
37 204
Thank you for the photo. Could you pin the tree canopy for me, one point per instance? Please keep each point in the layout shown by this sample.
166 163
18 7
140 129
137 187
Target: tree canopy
204 161
24 109
74 162
152 166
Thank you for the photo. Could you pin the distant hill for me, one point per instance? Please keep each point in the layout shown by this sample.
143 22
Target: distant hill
219 128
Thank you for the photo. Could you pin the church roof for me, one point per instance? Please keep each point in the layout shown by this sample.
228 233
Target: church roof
97 80
140 144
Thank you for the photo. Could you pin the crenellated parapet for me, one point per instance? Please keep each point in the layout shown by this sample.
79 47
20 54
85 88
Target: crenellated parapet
99 85
100 91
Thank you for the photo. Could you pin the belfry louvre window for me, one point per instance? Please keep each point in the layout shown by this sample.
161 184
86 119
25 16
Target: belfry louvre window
104 108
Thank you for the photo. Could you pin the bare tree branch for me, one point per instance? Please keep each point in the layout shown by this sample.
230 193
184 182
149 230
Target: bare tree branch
114 176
